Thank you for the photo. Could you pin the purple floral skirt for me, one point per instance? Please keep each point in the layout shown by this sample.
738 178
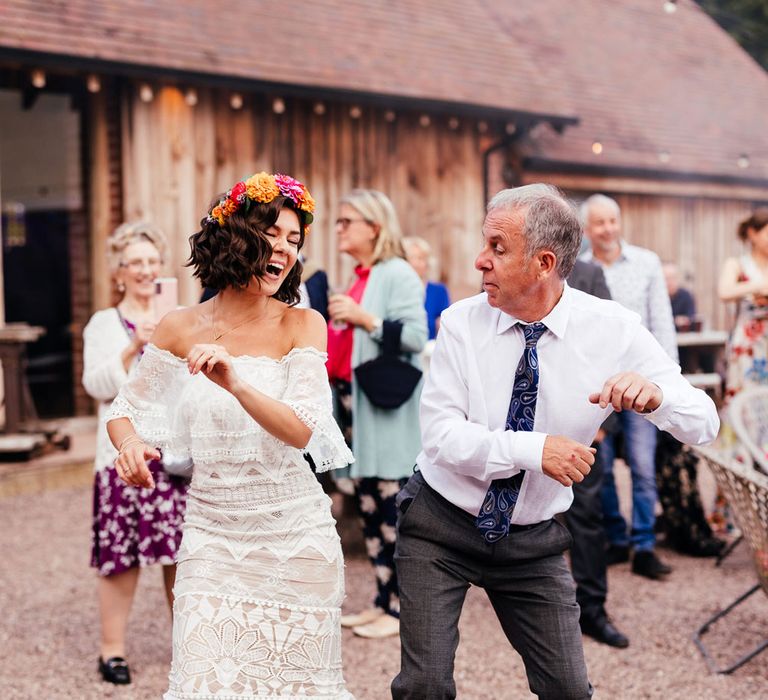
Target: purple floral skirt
134 526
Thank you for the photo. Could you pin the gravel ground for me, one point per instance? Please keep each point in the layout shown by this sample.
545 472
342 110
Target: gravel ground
48 633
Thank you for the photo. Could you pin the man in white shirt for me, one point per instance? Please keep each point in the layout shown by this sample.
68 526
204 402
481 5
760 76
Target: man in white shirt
636 281
521 379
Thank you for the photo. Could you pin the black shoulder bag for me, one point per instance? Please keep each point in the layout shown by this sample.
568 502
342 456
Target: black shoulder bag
387 380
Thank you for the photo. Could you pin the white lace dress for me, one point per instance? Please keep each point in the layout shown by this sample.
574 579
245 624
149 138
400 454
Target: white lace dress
260 574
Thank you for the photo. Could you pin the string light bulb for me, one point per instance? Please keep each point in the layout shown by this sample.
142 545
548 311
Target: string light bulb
38 78
743 161
664 156
278 105
453 123
670 6
190 97
424 120
236 100
146 93
93 83
390 116
319 109
355 112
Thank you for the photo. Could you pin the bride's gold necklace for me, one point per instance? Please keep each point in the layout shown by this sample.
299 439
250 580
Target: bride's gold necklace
217 335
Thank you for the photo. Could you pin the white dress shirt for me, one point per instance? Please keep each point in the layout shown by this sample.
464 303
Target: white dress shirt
636 280
466 397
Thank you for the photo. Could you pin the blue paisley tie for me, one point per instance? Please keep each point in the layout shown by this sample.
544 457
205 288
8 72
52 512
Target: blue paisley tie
496 513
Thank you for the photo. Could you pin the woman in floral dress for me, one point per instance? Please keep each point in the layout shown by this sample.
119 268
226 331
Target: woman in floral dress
239 382
132 527
745 281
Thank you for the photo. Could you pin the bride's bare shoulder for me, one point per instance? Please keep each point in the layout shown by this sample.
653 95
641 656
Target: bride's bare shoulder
307 328
178 328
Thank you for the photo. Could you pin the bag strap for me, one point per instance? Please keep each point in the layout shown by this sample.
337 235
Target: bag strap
390 338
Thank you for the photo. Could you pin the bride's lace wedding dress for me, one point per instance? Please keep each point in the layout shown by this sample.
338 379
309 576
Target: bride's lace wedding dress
260 575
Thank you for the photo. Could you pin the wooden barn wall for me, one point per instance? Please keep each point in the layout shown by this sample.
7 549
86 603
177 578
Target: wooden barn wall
176 157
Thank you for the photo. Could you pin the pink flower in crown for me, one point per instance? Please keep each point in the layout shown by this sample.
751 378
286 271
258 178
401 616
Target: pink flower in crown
290 187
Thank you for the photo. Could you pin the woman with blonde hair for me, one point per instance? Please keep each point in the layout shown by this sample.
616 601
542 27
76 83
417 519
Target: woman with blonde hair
383 309
418 252
132 527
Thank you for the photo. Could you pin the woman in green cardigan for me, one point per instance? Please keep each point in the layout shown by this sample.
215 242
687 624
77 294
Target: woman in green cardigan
386 293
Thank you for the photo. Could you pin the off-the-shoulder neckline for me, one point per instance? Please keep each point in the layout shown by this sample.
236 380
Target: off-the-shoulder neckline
168 355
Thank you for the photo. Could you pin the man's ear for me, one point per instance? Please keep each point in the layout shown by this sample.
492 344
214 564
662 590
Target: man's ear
547 263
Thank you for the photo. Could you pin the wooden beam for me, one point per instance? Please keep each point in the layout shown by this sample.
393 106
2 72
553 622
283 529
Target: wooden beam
99 196
594 183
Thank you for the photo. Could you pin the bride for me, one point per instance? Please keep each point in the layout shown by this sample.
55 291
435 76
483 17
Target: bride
260 571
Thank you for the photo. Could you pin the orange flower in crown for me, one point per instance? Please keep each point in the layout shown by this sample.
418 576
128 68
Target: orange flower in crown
262 188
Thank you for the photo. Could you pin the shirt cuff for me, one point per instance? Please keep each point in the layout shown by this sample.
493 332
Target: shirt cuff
513 452
528 450
662 417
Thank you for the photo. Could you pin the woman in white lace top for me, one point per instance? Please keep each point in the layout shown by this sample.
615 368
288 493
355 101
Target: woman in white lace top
239 383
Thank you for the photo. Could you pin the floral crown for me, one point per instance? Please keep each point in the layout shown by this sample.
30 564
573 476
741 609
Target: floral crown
263 188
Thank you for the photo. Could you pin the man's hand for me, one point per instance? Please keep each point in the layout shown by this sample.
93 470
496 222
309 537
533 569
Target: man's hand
629 391
566 460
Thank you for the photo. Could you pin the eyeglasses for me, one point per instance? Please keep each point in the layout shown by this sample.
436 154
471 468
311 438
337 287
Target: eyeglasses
344 222
138 264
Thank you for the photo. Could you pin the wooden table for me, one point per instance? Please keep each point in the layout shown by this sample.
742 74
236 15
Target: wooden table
702 359
13 345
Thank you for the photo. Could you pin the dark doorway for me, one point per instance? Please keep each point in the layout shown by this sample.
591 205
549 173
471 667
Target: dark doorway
42 204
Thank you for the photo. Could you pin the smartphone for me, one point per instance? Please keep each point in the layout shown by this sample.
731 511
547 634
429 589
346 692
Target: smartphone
166 296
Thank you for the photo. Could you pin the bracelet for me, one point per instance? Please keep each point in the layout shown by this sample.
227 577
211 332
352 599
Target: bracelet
127 441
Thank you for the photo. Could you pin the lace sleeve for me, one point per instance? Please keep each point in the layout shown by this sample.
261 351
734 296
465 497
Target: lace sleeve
308 393
150 399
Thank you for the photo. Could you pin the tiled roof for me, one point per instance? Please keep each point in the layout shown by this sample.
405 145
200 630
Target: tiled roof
661 91
642 81
446 50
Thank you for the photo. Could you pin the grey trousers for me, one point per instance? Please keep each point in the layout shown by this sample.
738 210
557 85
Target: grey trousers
439 554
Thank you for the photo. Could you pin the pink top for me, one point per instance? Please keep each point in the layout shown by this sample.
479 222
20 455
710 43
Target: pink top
340 341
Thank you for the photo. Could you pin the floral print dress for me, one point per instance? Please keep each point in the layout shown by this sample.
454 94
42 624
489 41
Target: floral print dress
747 353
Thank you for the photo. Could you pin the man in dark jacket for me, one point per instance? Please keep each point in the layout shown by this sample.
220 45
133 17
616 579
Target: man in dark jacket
584 519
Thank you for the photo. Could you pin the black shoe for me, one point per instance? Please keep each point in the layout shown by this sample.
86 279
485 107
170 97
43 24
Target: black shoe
707 547
115 670
647 564
616 554
604 632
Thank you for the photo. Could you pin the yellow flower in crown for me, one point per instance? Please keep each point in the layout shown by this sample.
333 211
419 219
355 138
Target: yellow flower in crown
306 201
261 187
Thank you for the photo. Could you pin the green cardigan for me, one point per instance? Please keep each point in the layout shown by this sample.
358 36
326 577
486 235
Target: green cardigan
386 442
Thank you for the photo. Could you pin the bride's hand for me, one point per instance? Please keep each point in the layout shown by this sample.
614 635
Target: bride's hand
215 363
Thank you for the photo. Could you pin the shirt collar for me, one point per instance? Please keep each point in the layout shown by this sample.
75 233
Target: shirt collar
555 321
625 253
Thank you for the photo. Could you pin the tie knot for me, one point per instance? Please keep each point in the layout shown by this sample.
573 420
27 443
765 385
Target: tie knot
533 331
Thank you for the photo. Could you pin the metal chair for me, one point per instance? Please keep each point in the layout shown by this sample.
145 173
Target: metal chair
748 415
747 491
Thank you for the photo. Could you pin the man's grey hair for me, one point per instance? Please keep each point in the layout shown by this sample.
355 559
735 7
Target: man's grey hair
596 199
550 222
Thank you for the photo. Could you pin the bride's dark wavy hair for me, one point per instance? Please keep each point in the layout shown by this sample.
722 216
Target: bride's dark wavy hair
230 255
